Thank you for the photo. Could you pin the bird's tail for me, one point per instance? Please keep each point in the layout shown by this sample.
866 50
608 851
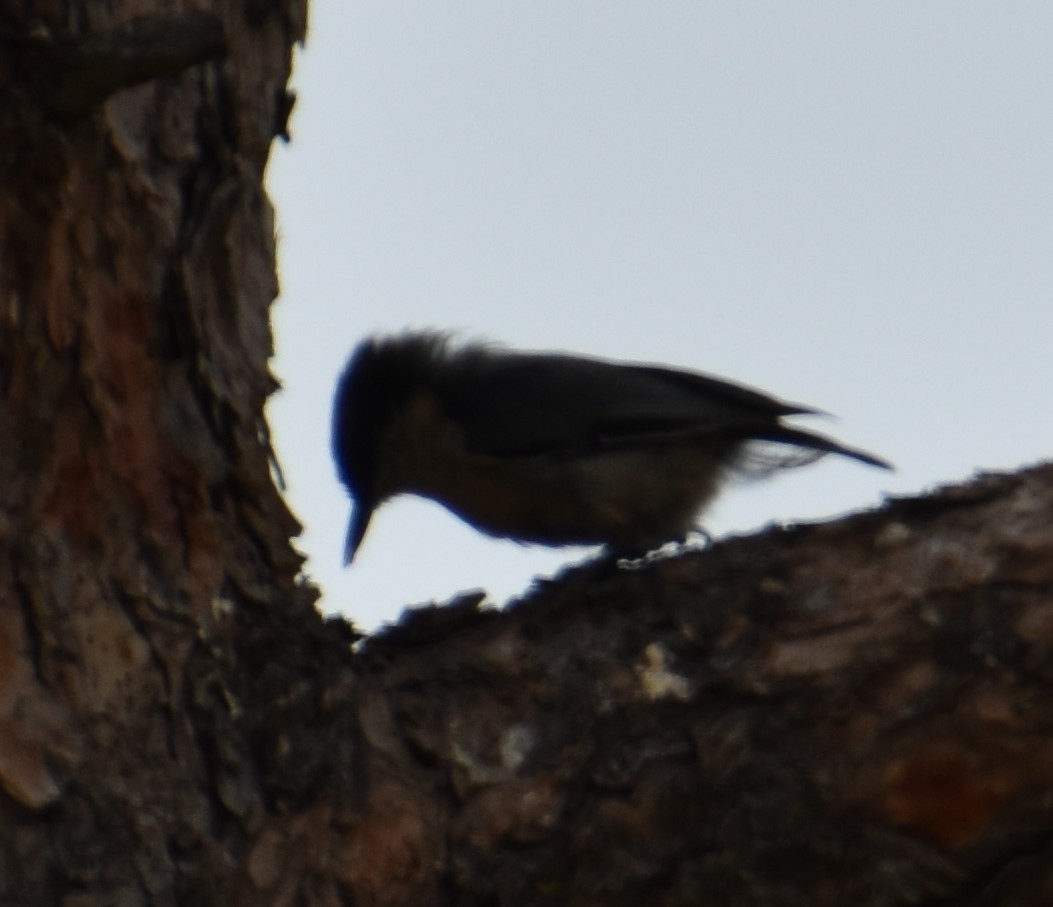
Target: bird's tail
785 434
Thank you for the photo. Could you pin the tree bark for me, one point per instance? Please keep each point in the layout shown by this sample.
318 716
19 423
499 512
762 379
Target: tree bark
138 515
851 713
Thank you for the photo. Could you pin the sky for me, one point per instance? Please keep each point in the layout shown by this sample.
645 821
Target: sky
847 205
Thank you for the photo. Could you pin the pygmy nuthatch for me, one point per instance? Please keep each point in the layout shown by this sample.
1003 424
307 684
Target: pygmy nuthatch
552 448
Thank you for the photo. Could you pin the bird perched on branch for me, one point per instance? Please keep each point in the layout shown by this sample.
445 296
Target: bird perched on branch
552 448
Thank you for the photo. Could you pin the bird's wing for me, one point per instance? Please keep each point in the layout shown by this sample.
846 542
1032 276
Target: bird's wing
529 404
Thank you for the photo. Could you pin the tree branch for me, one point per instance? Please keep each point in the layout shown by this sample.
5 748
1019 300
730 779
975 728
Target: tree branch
849 713
71 74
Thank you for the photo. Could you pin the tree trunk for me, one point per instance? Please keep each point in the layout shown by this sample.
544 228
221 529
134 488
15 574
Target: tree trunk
857 713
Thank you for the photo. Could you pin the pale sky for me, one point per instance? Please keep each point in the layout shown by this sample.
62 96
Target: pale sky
847 205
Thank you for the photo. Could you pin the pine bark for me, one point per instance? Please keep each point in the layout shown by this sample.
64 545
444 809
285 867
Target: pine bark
857 713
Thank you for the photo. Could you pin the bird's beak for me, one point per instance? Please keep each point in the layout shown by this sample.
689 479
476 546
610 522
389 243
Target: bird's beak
356 529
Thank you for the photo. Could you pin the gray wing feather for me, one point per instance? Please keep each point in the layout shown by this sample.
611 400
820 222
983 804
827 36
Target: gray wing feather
527 404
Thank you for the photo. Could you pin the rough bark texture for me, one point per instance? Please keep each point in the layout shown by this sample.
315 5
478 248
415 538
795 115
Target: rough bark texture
857 713
137 509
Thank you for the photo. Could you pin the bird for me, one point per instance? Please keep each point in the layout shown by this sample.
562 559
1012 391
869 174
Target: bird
553 448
